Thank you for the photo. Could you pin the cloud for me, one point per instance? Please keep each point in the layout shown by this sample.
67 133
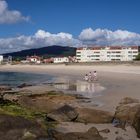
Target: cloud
107 37
10 16
40 39
88 36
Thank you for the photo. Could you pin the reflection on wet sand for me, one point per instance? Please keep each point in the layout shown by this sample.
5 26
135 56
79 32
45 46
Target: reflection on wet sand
86 89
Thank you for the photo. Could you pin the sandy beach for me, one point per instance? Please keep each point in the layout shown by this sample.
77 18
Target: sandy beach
119 80
115 82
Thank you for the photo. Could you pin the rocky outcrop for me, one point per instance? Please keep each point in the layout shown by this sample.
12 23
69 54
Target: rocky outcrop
5 88
24 85
87 115
127 110
63 114
46 102
128 100
91 134
15 128
83 115
105 131
136 123
119 138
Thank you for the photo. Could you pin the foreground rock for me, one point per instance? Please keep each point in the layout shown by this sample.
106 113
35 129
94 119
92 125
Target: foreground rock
127 110
87 115
91 134
5 88
83 115
19 128
63 114
128 113
136 123
46 103
119 138
128 100
24 85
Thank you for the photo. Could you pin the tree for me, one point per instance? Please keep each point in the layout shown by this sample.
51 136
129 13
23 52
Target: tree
138 57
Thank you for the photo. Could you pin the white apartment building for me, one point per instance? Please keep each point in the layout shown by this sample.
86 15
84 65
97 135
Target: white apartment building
117 53
61 59
1 58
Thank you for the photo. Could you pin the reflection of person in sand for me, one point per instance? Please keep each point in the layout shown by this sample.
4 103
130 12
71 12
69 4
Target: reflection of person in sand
90 89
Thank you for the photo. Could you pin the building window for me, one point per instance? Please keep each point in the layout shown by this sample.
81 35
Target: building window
97 55
78 55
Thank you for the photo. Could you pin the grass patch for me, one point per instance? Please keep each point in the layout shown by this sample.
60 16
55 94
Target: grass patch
17 110
14 109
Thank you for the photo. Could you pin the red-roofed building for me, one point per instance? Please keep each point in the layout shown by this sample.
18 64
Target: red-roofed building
33 59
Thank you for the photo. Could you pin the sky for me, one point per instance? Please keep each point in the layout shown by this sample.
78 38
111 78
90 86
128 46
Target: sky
26 24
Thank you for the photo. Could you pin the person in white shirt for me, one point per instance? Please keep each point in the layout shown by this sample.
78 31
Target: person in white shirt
95 75
86 77
90 77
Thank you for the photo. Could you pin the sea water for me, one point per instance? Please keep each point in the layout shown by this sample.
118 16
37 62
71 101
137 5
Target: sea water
16 78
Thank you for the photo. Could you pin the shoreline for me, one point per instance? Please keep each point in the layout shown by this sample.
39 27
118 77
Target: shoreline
119 80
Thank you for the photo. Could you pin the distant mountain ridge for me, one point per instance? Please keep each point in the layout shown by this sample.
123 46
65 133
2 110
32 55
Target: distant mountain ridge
49 51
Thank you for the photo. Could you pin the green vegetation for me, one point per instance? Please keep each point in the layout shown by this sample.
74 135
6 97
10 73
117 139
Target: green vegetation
14 109
138 57
17 110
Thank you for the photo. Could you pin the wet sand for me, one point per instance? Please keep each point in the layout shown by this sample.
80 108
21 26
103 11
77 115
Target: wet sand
119 80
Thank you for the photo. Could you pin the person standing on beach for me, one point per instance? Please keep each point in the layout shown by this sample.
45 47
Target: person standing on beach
86 77
90 77
95 75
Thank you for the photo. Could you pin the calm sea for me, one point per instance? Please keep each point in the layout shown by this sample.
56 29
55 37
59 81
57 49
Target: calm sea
16 78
